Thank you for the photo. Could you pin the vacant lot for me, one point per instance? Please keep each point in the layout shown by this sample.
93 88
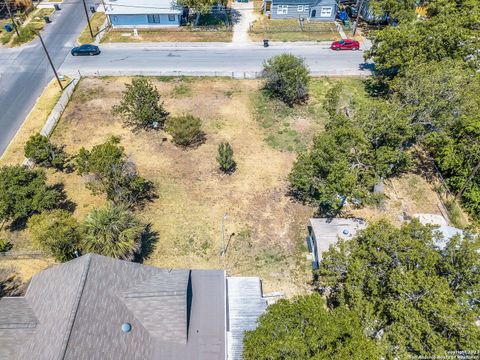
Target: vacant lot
182 34
264 227
292 30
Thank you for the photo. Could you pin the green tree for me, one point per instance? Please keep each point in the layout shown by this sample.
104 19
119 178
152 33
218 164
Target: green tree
185 129
112 231
302 328
287 78
140 106
108 171
42 152
24 192
56 232
225 158
403 10
199 6
361 146
10 284
413 296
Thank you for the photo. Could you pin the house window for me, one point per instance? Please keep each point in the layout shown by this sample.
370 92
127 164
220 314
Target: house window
305 8
282 9
153 19
326 11
171 17
300 8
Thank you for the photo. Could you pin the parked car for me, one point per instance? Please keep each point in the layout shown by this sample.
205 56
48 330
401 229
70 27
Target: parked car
345 44
86 49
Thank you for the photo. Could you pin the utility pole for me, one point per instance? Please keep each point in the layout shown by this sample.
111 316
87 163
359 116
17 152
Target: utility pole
359 9
88 19
11 17
50 60
108 17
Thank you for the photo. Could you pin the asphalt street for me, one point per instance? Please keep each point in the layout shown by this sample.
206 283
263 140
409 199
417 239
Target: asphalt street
217 59
25 72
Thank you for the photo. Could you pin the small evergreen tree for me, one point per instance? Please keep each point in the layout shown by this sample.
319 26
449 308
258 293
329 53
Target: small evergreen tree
42 152
185 129
141 107
287 77
24 192
225 158
56 232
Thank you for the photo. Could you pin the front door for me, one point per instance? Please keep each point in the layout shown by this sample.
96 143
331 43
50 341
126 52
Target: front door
314 13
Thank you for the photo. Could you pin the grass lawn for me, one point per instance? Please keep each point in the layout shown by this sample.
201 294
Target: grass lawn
182 34
33 22
290 30
265 229
96 21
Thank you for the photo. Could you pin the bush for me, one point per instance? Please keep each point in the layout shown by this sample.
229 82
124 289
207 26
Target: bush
185 129
225 158
141 107
287 77
5 245
108 171
113 231
24 192
42 152
55 232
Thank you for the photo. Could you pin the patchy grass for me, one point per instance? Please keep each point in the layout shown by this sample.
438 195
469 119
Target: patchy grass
290 30
26 267
32 23
182 34
96 20
292 128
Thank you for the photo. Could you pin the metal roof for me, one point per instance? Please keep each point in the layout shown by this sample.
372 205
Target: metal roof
245 305
80 307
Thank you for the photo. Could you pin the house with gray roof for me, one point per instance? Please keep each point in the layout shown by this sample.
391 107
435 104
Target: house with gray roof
95 307
316 10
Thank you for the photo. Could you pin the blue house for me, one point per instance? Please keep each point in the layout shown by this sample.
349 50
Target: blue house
144 13
321 10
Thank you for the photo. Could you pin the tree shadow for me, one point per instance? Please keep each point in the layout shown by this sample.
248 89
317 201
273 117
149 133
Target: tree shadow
65 203
148 242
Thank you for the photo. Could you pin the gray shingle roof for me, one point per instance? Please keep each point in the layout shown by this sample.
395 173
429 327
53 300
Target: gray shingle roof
81 305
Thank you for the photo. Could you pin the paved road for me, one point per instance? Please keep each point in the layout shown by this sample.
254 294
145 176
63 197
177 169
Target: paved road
25 72
216 59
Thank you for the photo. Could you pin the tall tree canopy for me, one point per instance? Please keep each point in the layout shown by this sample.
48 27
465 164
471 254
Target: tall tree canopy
302 328
415 297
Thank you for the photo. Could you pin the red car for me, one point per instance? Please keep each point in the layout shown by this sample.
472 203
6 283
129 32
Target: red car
345 44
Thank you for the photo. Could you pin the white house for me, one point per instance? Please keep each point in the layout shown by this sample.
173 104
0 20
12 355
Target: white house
143 13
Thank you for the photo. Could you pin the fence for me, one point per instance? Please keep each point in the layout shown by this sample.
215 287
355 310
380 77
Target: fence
21 254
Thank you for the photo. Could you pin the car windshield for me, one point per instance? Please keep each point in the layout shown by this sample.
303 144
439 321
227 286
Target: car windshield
341 42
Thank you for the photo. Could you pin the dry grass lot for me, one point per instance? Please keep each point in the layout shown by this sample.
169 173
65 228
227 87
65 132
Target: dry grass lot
290 30
265 229
182 34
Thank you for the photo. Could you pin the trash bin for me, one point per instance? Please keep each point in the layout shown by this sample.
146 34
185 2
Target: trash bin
47 19
56 6
92 9
8 28
265 43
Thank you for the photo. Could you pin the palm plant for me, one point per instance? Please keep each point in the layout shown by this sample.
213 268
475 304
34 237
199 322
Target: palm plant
112 231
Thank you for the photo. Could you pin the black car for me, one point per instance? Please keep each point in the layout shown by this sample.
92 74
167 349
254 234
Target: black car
86 49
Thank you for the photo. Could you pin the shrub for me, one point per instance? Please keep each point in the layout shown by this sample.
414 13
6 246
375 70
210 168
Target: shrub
112 231
24 192
108 171
287 77
185 129
5 245
55 232
225 158
141 107
42 152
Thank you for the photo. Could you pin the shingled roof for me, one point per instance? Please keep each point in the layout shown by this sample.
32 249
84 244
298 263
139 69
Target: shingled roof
76 311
